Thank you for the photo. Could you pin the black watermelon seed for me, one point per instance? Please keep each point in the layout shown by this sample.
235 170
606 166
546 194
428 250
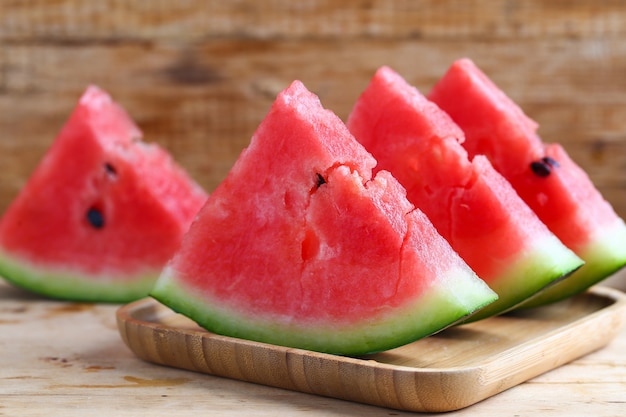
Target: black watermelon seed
110 169
320 180
540 168
550 161
95 218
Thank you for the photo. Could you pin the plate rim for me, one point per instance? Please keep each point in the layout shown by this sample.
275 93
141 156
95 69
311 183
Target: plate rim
484 375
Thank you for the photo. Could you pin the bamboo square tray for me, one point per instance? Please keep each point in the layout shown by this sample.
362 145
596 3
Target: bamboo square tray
448 371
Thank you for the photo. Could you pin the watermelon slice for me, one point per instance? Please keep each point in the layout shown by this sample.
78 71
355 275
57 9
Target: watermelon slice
557 189
299 246
469 203
102 212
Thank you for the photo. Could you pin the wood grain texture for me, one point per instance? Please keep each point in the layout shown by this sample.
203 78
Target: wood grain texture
445 372
198 76
67 359
197 20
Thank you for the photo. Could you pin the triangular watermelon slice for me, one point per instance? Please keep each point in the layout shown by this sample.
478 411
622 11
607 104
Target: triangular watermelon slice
102 212
299 246
557 189
469 203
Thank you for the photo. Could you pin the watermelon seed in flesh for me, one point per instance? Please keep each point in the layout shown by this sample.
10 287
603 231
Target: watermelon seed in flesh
320 256
110 169
555 187
320 180
543 167
469 203
102 212
95 218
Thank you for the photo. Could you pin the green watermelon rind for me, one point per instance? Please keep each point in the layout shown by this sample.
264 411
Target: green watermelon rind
536 271
74 286
604 255
438 308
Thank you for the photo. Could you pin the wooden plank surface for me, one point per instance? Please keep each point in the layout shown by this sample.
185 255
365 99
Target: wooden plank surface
68 359
192 20
199 76
448 371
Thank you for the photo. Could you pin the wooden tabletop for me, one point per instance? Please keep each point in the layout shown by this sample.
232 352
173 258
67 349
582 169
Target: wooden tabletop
199 76
68 359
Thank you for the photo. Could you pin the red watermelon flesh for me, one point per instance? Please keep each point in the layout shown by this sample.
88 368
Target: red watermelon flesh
299 246
102 212
469 203
557 189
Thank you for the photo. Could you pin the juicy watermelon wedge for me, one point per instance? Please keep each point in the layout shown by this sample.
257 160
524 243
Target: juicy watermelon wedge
299 246
557 189
102 212
469 203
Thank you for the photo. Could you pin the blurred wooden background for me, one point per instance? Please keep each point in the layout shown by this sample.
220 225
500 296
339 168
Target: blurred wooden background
198 76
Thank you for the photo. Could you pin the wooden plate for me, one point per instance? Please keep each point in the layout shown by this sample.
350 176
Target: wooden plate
451 370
